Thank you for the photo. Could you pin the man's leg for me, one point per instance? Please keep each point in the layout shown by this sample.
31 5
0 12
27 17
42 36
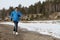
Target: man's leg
16 29
16 26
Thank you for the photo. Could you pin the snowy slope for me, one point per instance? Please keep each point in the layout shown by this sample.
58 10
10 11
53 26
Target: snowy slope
48 28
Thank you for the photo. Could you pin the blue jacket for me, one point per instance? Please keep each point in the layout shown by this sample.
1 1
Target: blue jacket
15 15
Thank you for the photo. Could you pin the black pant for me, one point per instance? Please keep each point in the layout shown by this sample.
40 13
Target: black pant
16 26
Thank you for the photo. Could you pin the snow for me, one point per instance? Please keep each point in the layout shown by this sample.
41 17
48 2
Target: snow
43 27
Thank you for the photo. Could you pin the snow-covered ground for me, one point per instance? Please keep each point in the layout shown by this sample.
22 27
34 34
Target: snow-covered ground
44 27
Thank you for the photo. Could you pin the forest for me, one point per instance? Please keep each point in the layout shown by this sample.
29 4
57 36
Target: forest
48 10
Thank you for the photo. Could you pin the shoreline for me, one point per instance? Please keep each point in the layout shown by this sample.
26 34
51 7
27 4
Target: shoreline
32 31
28 33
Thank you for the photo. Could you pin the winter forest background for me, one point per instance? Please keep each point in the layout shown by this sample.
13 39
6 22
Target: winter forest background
48 10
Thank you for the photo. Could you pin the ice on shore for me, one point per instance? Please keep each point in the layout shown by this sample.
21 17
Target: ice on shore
48 28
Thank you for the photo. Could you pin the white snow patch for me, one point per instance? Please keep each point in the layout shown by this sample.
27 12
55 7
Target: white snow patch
43 28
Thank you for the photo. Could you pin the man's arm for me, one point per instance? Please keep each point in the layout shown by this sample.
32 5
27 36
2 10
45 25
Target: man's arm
20 14
11 15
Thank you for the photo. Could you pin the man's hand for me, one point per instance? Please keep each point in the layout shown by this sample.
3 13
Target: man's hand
11 19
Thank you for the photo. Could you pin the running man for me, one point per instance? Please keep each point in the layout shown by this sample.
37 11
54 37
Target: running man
15 17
